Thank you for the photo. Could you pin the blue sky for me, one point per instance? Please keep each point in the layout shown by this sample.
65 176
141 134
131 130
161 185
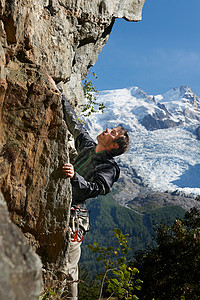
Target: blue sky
159 52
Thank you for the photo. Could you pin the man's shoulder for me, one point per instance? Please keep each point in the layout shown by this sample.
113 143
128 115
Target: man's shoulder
84 140
107 162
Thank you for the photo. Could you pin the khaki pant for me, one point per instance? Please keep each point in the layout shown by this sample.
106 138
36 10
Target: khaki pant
71 270
79 225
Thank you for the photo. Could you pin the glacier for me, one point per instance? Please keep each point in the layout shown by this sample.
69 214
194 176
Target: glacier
164 151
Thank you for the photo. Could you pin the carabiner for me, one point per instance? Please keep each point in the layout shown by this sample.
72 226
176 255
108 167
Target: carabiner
76 238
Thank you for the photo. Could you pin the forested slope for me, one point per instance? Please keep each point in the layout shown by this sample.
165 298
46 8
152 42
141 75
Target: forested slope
106 214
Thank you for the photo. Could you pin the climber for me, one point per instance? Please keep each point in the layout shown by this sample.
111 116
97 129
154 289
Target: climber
93 173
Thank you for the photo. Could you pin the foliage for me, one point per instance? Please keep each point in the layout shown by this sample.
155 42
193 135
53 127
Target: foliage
56 291
118 276
88 287
106 214
50 294
171 269
90 93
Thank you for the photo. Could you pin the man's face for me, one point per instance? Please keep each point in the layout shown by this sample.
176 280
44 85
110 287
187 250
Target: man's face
107 137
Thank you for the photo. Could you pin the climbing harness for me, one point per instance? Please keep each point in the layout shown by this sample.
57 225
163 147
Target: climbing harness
79 223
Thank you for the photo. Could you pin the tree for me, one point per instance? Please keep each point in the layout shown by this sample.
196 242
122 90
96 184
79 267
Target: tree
119 278
171 270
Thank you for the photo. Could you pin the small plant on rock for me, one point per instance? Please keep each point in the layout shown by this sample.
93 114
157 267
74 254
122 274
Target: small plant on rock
90 93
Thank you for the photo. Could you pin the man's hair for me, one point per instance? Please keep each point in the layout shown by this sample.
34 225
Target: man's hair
122 141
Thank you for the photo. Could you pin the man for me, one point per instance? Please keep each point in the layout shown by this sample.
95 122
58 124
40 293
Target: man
93 173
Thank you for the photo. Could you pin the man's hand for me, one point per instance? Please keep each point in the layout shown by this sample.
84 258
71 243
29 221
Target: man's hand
68 169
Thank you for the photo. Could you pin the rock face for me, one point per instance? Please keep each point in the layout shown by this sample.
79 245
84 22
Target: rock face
131 192
62 38
32 152
20 276
159 121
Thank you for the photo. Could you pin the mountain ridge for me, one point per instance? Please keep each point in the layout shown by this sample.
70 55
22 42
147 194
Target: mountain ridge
164 155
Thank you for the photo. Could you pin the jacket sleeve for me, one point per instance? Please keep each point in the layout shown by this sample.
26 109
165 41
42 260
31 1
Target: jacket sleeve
100 185
80 134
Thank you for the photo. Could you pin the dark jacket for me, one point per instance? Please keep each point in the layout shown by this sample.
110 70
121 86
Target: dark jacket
95 173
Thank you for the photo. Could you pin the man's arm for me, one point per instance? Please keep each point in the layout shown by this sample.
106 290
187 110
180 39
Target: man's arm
80 134
100 185
71 119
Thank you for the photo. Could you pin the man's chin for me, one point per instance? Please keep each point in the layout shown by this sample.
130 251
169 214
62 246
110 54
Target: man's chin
99 136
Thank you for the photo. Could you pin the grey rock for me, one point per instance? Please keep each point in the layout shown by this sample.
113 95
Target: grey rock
69 35
131 192
21 269
159 120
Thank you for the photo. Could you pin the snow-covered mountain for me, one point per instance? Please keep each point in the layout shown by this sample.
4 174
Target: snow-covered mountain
165 150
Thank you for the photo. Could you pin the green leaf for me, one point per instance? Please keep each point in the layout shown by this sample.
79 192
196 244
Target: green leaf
90 247
138 281
117 273
115 281
117 231
135 271
53 293
127 275
99 258
138 287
